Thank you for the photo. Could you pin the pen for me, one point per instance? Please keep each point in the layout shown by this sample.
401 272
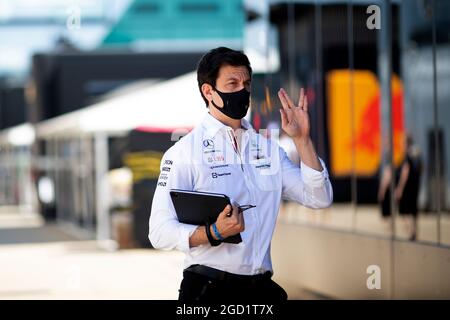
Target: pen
243 208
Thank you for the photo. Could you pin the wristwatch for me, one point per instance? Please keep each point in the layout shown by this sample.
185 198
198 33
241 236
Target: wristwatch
211 239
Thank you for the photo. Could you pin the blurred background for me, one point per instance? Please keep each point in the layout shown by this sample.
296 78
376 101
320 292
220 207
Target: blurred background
93 92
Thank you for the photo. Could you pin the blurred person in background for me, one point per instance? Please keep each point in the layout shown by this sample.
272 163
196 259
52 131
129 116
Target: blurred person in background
407 190
225 155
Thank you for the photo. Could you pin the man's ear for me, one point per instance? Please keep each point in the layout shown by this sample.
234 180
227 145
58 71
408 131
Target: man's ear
207 91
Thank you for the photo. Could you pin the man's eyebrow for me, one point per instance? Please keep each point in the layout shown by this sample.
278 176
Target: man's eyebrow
232 77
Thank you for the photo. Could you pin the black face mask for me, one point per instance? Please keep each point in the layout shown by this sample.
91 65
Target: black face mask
235 104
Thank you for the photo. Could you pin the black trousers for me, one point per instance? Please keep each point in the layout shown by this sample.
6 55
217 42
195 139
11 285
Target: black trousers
201 288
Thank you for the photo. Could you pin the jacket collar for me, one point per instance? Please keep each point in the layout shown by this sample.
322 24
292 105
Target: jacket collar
213 126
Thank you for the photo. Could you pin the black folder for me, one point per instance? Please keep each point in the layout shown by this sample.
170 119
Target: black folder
197 208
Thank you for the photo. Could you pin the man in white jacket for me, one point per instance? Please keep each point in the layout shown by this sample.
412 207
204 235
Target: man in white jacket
225 155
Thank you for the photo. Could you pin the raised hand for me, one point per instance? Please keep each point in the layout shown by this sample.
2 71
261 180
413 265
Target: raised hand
295 118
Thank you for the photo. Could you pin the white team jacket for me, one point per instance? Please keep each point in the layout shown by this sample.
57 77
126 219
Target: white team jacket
257 172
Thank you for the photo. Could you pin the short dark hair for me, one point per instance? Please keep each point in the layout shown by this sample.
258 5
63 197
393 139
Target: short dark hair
209 65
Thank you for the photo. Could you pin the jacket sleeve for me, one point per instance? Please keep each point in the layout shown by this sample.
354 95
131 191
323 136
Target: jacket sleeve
165 231
305 185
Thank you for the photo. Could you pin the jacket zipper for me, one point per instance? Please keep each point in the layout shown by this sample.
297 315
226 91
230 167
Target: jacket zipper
236 148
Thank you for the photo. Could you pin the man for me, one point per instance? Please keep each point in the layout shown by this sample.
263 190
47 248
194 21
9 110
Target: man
225 155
